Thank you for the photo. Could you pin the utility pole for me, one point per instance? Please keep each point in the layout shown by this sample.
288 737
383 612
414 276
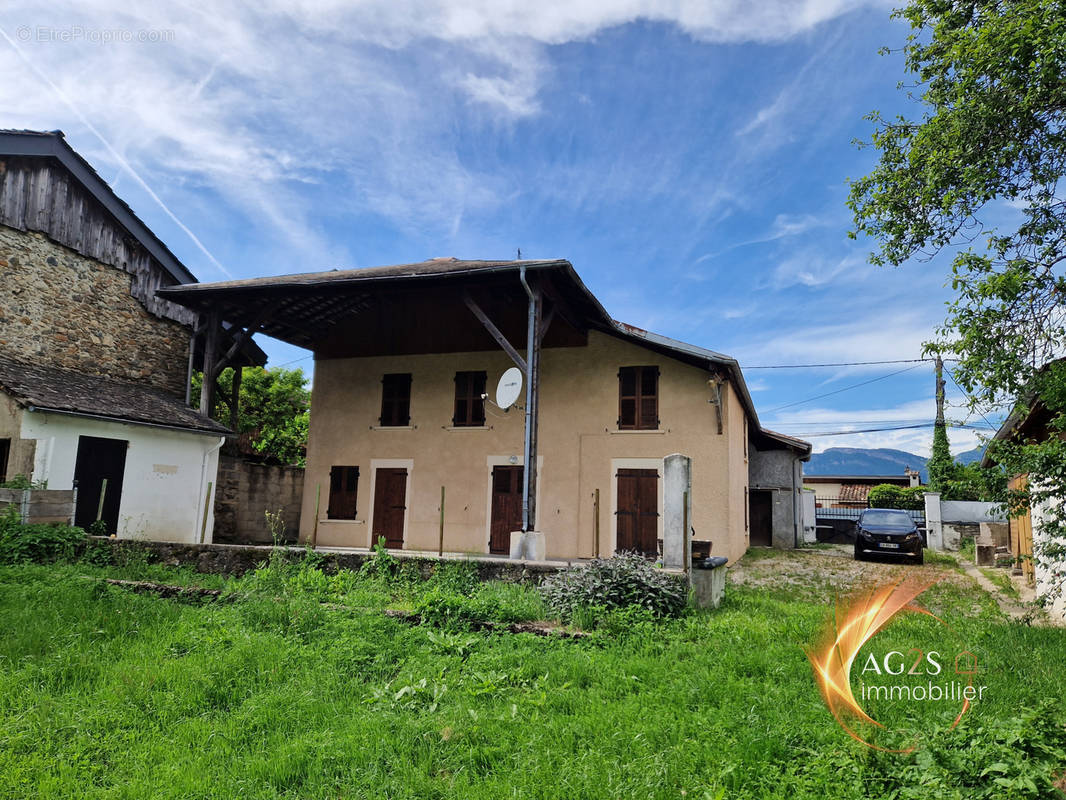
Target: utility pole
939 391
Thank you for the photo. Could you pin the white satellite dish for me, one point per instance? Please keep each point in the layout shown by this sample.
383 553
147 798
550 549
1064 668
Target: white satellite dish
509 387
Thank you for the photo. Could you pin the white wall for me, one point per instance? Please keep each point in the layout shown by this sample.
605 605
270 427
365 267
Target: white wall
1050 578
166 476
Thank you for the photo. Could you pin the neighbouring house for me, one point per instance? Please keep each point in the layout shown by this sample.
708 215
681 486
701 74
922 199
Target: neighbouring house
94 366
847 491
1025 534
407 446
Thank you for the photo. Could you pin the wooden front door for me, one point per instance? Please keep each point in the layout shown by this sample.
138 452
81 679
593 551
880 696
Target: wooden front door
506 507
638 511
99 460
390 505
760 514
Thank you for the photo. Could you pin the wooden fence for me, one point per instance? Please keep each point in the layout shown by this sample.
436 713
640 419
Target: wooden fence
40 505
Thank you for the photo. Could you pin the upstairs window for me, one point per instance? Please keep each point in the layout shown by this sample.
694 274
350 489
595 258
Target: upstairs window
343 490
638 398
396 400
469 404
5 452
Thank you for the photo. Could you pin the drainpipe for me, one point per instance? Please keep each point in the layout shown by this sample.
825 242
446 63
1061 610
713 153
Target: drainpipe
203 487
529 400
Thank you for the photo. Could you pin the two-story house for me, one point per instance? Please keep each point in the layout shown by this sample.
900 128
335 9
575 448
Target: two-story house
407 360
94 367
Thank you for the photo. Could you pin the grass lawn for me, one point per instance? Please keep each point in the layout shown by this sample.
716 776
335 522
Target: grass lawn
303 688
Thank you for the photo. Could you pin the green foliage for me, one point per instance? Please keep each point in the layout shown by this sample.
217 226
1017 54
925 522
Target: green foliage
940 462
974 482
888 495
626 579
20 481
108 693
23 543
382 565
990 77
274 411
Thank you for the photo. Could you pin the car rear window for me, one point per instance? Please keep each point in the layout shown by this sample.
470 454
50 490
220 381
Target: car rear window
899 519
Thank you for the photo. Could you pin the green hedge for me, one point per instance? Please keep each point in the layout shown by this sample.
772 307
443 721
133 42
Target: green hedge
887 495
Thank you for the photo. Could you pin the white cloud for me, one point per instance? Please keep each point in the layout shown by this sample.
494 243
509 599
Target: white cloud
876 334
255 101
823 420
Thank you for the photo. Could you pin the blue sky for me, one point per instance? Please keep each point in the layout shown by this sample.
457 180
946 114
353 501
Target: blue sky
690 159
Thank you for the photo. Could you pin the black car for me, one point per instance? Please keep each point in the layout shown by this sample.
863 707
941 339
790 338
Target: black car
888 531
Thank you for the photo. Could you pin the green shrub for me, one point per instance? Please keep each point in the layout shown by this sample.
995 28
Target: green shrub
382 564
442 608
21 543
625 580
20 481
887 495
459 577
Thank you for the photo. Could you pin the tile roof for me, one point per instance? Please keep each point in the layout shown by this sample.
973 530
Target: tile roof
47 388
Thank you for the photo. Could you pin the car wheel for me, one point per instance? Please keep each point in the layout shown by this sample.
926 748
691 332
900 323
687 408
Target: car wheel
921 557
858 552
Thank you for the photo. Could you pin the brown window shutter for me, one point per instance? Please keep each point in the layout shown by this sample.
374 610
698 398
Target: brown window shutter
343 492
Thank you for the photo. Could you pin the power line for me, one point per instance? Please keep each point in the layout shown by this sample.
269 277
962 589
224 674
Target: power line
950 375
845 389
882 430
846 364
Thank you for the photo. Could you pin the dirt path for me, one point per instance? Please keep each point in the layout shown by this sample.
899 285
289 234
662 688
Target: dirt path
817 574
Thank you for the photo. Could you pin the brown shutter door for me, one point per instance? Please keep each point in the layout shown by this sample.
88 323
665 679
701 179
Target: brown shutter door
637 515
390 490
506 507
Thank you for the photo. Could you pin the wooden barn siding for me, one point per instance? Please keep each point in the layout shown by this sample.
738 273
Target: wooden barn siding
38 195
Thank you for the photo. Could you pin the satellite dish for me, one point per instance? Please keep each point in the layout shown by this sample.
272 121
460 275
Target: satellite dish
509 387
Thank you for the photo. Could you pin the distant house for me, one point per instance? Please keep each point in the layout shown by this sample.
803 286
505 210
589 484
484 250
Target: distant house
1033 424
94 367
407 446
847 491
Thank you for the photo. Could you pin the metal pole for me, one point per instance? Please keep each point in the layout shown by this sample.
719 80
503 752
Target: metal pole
440 541
527 462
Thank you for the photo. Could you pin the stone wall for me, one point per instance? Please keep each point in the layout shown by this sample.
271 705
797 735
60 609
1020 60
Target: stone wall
245 491
77 313
229 559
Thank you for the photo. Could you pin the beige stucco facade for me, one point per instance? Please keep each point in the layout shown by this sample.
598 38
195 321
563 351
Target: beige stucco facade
580 447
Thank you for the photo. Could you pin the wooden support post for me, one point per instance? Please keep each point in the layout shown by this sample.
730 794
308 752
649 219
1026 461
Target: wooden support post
235 399
596 521
685 540
207 508
192 360
501 340
318 505
440 541
207 390
100 505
